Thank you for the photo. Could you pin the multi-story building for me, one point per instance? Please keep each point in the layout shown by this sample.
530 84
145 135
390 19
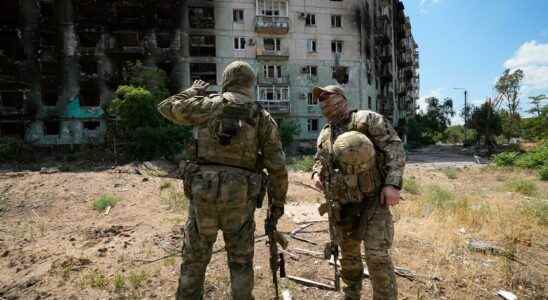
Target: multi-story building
60 59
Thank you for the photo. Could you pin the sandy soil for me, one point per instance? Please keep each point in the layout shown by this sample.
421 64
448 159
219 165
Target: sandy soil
54 245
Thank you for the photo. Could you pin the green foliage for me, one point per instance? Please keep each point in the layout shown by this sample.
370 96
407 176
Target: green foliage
505 159
439 198
145 132
14 149
288 131
304 163
105 201
511 125
411 185
136 279
487 122
94 279
543 173
536 158
536 128
428 127
523 186
451 173
119 282
536 208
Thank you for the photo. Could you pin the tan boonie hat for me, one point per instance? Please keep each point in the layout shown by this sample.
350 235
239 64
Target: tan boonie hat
335 89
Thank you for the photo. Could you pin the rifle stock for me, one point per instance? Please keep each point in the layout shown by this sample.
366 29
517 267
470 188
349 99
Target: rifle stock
277 260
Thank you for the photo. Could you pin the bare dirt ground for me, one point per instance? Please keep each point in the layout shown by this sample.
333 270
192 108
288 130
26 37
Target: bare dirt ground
54 245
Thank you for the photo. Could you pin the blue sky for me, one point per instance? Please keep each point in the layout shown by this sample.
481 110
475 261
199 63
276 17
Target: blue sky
469 43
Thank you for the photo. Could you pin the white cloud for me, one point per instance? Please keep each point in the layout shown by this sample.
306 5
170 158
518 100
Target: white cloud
429 2
532 58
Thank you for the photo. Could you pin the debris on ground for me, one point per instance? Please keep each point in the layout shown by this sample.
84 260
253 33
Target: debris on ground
506 295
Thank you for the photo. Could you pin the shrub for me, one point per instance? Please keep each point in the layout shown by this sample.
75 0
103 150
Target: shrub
451 173
119 282
535 158
536 208
543 172
137 278
105 201
411 186
505 159
14 149
523 186
304 163
148 143
439 198
288 131
94 279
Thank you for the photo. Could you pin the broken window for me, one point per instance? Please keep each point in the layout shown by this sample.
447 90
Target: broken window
128 12
204 71
88 39
49 93
47 13
52 127
272 44
167 13
311 99
11 46
202 45
201 17
128 39
273 94
272 71
310 71
49 69
12 129
238 15
369 102
9 12
11 99
88 67
336 46
273 8
336 21
312 46
313 125
91 125
163 40
239 43
48 39
310 20
89 96
340 74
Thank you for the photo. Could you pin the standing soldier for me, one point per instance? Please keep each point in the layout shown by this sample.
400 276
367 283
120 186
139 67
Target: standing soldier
368 157
235 139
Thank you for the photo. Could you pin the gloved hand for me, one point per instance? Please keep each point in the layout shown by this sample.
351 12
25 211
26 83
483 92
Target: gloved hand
201 87
277 212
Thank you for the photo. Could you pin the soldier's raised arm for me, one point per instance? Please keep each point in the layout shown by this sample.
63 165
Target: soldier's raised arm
189 107
388 142
273 158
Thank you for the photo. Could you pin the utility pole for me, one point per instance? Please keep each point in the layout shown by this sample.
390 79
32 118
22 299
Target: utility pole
465 111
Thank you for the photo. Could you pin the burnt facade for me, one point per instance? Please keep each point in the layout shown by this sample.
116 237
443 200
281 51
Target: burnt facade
61 60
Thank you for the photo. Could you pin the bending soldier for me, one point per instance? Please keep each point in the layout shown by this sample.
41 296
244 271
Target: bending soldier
235 139
369 160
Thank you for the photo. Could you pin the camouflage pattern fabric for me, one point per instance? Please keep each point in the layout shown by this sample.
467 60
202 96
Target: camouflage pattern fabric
221 199
368 222
377 240
217 188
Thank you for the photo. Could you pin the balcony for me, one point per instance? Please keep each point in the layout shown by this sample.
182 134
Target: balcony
282 80
270 54
272 24
276 106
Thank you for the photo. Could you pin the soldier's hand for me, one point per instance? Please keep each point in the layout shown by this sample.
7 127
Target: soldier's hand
390 196
277 212
201 86
317 183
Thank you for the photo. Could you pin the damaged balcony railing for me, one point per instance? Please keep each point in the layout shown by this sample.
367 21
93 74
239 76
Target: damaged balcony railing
272 24
276 106
267 53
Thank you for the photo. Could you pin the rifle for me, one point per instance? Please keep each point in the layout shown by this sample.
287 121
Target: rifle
277 261
333 209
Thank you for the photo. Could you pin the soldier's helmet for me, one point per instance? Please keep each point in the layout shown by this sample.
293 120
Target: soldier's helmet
354 152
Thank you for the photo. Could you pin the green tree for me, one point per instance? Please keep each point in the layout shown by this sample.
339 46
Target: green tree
487 122
508 88
428 127
289 130
537 104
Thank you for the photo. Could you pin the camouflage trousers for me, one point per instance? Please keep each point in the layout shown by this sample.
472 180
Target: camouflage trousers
222 198
377 238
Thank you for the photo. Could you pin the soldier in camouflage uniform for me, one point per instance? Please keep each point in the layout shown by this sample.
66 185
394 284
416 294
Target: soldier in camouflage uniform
369 219
235 139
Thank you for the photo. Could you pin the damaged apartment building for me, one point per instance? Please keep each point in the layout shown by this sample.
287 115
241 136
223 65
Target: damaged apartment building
60 59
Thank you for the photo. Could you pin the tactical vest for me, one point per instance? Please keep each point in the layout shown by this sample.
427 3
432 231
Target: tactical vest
230 137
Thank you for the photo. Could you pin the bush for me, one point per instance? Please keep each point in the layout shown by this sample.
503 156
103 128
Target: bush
148 143
543 173
411 186
523 186
536 208
14 149
451 173
288 131
440 198
105 201
535 158
304 163
505 159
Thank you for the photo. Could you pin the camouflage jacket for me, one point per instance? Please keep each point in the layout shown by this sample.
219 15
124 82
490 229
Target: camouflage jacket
384 137
187 108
